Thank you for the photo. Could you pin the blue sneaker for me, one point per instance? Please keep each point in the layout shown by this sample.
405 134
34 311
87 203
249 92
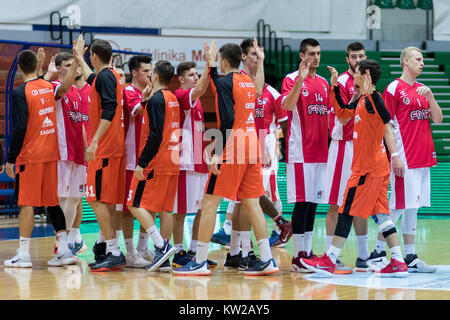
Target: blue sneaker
262 268
77 247
274 237
181 259
193 269
161 255
221 237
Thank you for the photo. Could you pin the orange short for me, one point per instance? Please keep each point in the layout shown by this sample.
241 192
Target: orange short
106 180
365 196
155 193
244 181
37 184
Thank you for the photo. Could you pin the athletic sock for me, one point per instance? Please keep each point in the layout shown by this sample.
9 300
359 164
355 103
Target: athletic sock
100 238
129 245
142 242
264 250
111 247
62 243
118 233
158 241
246 243
202 252
308 242
71 236
193 246
380 246
333 253
396 253
24 246
410 249
235 243
329 242
363 250
227 227
299 243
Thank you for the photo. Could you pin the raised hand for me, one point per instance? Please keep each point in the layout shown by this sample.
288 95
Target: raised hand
303 70
334 75
52 66
367 84
40 60
212 55
146 93
259 51
206 50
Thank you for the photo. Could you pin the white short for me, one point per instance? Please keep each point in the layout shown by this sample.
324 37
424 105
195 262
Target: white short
306 182
339 169
71 179
411 191
191 187
270 174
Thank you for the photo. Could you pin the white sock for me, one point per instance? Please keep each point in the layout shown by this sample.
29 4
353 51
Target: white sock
62 243
227 227
396 253
71 236
202 252
264 250
333 253
329 241
118 233
235 243
410 249
363 249
193 246
142 242
129 245
308 242
76 234
179 247
24 246
246 244
299 243
156 236
100 238
380 246
111 246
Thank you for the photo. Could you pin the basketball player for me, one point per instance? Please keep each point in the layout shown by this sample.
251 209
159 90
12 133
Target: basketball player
35 152
411 105
305 96
231 174
366 191
340 154
105 185
155 178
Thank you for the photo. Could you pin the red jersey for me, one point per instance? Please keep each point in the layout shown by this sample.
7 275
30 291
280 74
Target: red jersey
84 94
337 130
410 114
132 98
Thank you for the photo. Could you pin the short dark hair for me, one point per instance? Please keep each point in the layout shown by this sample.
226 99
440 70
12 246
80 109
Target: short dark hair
61 57
373 67
184 67
27 60
355 46
232 53
165 71
308 42
247 44
102 49
135 61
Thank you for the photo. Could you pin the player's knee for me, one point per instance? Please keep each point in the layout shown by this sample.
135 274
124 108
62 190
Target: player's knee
385 225
409 222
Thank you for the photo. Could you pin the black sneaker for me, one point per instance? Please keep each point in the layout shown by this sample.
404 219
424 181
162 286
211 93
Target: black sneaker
180 259
248 262
361 265
99 250
165 267
377 260
417 265
110 262
161 255
232 262
211 263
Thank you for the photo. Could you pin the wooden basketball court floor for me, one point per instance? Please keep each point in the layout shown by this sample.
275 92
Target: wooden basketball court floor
77 283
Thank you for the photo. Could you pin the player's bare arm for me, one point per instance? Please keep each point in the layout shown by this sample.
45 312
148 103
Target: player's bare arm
203 82
291 99
79 53
435 110
397 165
69 79
40 61
92 149
259 77
52 72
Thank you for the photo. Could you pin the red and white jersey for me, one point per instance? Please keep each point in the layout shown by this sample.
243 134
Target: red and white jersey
307 140
69 123
132 98
410 113
337 130
84 94
193 124
273 112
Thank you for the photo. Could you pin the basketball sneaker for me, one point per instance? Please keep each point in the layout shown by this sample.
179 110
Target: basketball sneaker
161 255
377 260
262 268
77 247
221 237
285 228
135 260
275 240
193 269
99 250
67 258
417 265
232 262
147 254
321 265
341 268
296 265
180 259
395 269
248 262
165 267
361 265
18 261
109 263
211 263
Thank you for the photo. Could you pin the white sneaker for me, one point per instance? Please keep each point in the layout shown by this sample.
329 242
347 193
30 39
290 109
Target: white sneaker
19 261
147 255
417 265
135 260
66 258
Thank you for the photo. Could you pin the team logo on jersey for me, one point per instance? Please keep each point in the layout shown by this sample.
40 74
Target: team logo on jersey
262 102
259 112
305 92
250 105
406 100
174 138
357 119
355 135
433 154
421 114
199 126
250 119
66 100
241 84
34 92
325 88
319 109
352 89
319 194
47 122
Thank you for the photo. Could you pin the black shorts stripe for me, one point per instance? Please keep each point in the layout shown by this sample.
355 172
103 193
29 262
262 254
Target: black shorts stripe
140 190
98 179
351 195
212 182
17 182
362 180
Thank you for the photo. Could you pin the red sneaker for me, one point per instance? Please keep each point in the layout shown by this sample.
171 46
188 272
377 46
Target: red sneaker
296 264
322 265
285 228
395 269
